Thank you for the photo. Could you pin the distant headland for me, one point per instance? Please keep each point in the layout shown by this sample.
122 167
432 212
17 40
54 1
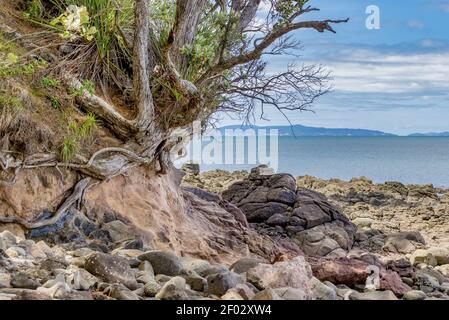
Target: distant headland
305 131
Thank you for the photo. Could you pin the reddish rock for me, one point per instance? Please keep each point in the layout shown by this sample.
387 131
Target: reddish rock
402 267
352 271
340 271
390 280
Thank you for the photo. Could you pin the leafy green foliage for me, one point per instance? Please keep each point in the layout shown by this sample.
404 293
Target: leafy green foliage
86 86
33 9
163 13
105 16
206 45
11 70
75 22
49 82
101 25
167 86
285 8
54 101
12 64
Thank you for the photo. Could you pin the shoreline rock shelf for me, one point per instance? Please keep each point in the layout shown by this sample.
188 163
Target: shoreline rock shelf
261 236
274 206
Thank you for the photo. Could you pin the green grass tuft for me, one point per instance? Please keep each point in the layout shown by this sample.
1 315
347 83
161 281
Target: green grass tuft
50 83
68 149
77 134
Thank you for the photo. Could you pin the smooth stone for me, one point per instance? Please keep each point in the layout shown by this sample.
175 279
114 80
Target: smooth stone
414 295
243 290
321 291
80 279
219 283
266 294
231 295
5 280
443 269
144 277
23 281
195 265
26 294
15 252
112 269
423 256
196 282
162 278
174 289
244 264
79 295
291 294
82 252
7 239
6 296
295 273
151 288
163 262
127 253
36 252
118 231
58 290
426 282
120 292
147 267
213 270
373 295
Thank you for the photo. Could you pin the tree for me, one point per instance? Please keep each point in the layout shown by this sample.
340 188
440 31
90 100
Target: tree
188 60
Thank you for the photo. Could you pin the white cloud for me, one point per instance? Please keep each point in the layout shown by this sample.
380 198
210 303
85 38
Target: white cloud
440 4
415 24
371 72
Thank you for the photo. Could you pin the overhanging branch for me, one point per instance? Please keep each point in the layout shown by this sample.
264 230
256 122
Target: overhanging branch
263 43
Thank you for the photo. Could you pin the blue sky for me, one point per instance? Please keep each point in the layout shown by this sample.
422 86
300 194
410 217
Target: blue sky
394 79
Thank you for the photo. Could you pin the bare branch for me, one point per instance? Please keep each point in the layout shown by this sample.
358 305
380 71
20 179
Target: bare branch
250 88
266 42
247 11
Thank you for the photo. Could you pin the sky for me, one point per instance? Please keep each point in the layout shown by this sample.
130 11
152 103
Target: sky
394 79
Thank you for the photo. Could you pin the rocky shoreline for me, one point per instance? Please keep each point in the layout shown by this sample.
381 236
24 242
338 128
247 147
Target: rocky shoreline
403 228
233 236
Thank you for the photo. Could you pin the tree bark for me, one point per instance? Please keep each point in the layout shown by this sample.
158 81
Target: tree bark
141 63
188 13
247 11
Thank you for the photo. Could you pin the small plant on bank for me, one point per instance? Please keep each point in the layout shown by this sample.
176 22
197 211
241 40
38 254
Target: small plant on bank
50 83
54 101
75 22
77 134
9 101
69 148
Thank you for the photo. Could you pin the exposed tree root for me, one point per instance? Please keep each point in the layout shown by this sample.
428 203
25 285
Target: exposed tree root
121 126
104 168
77 193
